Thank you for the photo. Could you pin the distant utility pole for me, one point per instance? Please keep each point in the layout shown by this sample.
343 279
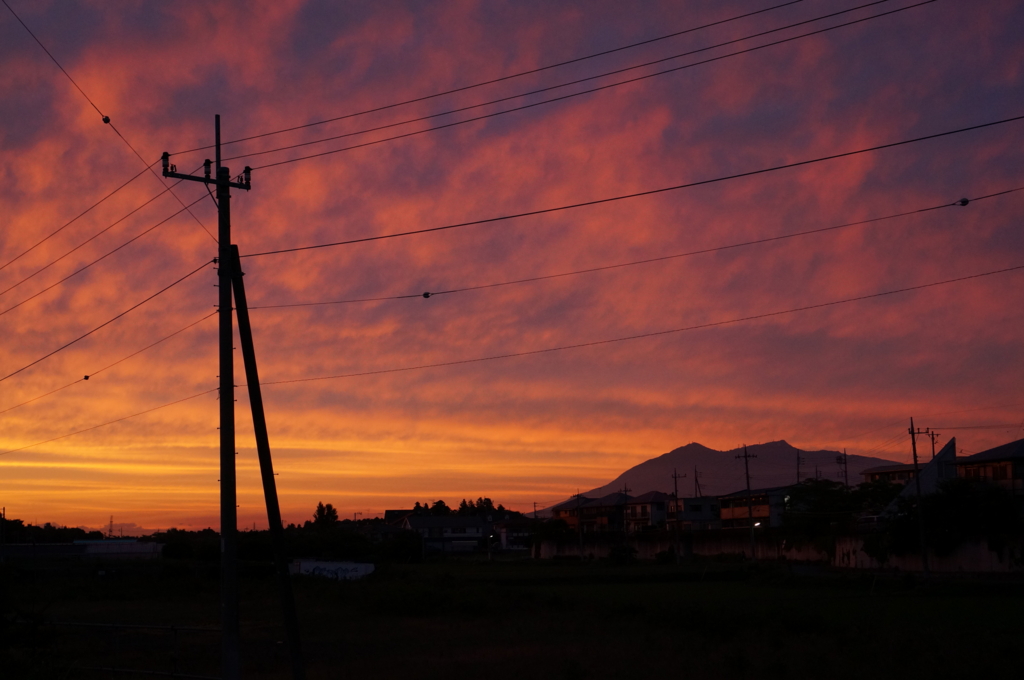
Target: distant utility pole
933 436
799 459
355 516
110 529
696 483
920 498
625 499
750 498
579 521
675 497
843 464
3 528
535 509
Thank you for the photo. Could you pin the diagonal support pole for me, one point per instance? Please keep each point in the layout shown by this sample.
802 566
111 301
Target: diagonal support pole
259 422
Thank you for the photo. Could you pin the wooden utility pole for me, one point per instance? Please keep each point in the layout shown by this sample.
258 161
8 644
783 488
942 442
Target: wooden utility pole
920 498
933 436
228 494
625 500
579 521
675 497
696 483
844 465
750 500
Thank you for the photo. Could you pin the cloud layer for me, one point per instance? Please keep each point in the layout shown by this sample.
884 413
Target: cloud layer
521 429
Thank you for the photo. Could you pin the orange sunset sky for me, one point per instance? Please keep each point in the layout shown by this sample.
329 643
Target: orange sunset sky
524 429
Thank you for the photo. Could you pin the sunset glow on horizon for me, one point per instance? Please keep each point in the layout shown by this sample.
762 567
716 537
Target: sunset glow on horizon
517 429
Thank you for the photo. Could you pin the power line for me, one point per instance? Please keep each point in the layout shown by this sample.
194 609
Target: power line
106 119
54 60
550 349
498 80
589 270
105 323
109 422
88 240
639 336
109 366
571 82
71 221
97 260
582 92
649 192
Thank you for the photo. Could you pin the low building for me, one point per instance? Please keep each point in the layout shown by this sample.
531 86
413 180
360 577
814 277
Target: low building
647 510
694 514
450 533
1002 466
764 506
894 474
397 517
515 533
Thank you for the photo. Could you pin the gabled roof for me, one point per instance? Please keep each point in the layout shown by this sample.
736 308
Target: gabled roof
1011 451
755 492
445 521
902 467
650 497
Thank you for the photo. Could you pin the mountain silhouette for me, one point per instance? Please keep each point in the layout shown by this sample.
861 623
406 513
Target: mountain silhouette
721 472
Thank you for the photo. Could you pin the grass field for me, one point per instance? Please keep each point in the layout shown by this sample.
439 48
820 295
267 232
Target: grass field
521 619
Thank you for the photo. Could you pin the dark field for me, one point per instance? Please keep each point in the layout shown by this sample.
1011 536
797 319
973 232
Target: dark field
520 620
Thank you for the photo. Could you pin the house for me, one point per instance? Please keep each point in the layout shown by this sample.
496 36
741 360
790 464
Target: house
515 533
450 533
646 510
895 474
570 511
595 514
1002 466
694 514
764 505
397 517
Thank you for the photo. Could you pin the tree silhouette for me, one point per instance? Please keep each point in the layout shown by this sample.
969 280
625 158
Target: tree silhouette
325 517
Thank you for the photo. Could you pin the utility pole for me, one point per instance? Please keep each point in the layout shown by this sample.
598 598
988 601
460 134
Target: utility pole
750 499
920 498
228 493
579 521
933 436
675 497
696 483
3 529
535 510
843 464
799 459
625 499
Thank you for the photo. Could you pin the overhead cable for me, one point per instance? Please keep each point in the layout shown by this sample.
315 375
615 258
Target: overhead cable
105 323
713 324
568 83
90 239
98 259
497 80
581 92
109 422
649 192
105 118
70 222
547 350
109 366
769 239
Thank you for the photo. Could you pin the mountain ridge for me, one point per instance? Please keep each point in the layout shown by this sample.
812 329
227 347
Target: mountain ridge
721 472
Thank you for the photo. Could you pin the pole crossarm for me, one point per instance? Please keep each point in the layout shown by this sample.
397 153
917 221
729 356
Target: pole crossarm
170 170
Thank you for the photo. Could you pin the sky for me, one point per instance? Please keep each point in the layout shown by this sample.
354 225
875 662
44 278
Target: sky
522 429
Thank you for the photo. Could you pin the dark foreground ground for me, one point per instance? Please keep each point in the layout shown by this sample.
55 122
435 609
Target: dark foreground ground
519 619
